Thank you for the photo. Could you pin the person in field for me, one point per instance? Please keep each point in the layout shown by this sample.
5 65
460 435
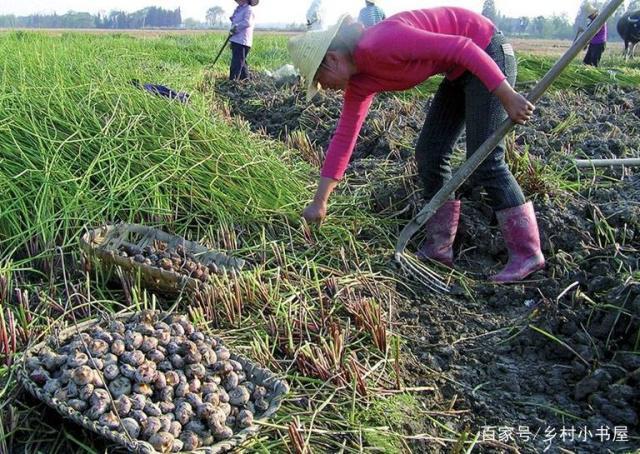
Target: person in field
371 14
598 43
399 53
242 23
315 15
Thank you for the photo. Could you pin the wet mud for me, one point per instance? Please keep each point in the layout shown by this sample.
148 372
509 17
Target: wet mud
549 364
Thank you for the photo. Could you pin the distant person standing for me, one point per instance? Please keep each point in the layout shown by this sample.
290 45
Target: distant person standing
242 23
371 14
598 43
315 15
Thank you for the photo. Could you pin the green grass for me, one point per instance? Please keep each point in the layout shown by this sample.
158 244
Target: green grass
80 146
613 71
390 415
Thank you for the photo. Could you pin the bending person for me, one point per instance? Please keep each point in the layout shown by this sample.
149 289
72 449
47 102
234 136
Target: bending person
400 53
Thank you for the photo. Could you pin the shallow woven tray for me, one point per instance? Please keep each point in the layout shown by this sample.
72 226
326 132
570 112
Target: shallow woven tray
104 242
276 389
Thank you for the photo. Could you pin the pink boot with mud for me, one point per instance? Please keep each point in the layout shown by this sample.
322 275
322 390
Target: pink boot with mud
520 230
440 232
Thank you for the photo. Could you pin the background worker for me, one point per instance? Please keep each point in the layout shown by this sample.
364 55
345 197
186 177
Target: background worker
315 15
598 43
399 53
243 22
371 14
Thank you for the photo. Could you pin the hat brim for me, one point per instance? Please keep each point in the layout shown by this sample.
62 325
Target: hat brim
313 87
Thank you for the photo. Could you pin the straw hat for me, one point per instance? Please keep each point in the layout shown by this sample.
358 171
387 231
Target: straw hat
591 10
308 50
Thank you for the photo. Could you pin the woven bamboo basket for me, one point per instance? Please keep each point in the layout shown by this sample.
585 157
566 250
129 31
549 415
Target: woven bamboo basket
276 388
103 243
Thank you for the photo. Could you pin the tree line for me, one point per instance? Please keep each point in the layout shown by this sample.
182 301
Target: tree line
151 17
553 27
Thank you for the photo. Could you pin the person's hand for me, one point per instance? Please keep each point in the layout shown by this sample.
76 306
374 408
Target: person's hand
517 106
315 212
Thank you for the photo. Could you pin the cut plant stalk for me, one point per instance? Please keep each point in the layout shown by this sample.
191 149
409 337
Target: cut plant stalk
421 271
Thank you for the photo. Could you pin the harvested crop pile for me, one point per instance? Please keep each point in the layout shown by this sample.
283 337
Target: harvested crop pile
177 260
161 381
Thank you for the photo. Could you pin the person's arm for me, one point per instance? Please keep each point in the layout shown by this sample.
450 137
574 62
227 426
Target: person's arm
517 106
354 112
316 211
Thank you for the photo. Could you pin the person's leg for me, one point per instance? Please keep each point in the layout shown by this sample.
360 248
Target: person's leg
244 73
484 113
236 61
441 129
588 58
439 134
598 54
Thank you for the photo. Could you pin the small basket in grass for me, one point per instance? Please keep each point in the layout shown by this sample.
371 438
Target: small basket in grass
166 262
151 383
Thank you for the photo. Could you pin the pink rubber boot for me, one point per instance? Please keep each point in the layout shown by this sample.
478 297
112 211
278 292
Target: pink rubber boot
440 232
520 230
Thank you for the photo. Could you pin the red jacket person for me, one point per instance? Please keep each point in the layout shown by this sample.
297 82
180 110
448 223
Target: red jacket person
399 53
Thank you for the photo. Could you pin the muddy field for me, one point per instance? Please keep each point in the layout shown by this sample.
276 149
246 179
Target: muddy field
543 365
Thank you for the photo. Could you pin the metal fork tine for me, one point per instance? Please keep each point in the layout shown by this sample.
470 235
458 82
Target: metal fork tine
423 274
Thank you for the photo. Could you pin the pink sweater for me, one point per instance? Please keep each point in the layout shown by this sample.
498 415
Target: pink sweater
402 52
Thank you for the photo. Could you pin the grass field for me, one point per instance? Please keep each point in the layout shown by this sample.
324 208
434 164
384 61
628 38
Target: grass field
80 146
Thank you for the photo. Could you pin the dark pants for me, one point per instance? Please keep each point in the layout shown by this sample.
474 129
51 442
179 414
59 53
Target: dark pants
239 69
594 54
467 101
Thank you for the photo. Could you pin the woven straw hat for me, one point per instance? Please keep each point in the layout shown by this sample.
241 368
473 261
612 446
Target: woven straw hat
308 50
591 10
